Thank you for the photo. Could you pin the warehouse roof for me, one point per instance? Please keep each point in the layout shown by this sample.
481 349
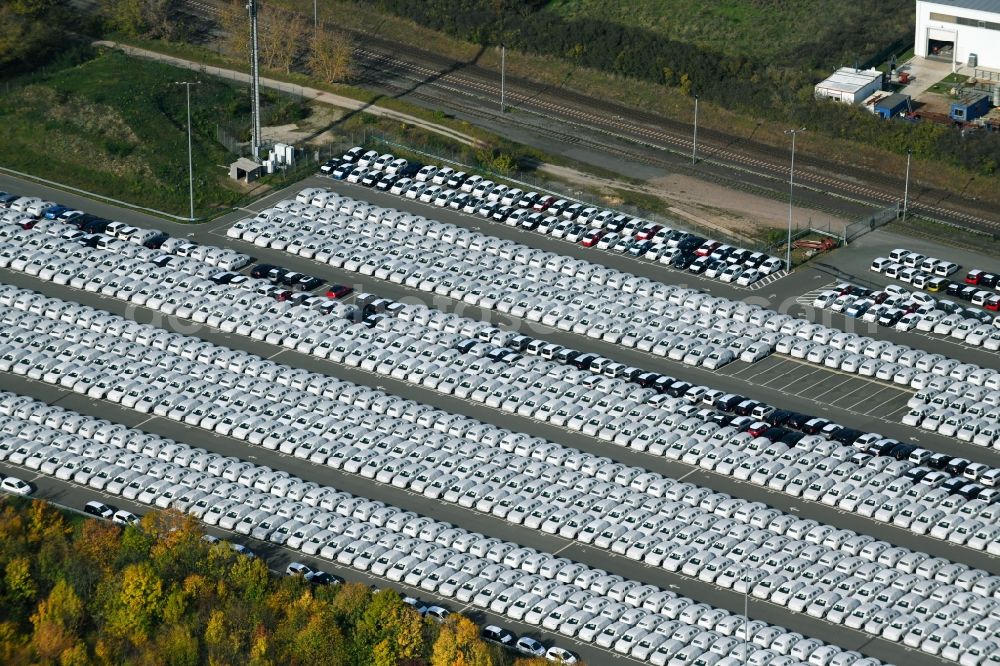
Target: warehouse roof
978 5
848 79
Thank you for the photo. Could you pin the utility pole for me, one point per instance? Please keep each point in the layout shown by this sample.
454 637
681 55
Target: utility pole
187 85
694 142
315 20
503 76
746 613
254 80
906 188
791 191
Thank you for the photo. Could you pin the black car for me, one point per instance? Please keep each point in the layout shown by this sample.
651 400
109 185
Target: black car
584 361
776 433
465 345
939 460
503 212
324 578
792 438
797 420
967 292
224 277
330 165
846 436
678 388
290 278
745 407
98 509
954 288
499 635
521 342
308 283
7 199
276 273
386 182
899 451
564 355
971 491
722 419
261 270
957 466
813 426
916 473
953 485
647 379
727 403
681 261
156 241
988 280
341 171
662 383
778 417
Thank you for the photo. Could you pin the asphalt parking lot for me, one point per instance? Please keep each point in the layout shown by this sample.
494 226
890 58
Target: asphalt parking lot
846 392
779 380
71 495
451 403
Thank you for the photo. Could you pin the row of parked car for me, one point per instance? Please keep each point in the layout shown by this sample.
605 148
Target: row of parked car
382 468
532 284
931 274
574 222
287 334
260 328
556 594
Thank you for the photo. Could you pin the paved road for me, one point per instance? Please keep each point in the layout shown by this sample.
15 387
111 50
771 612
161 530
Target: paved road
674 469
472 521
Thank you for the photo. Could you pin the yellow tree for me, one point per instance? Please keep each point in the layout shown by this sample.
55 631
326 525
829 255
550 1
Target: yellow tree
331 55
459 644
57 621
20 584
139 600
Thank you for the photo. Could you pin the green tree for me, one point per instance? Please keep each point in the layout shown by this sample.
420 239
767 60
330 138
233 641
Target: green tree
19 584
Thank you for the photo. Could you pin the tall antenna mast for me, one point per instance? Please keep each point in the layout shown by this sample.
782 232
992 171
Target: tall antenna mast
254 79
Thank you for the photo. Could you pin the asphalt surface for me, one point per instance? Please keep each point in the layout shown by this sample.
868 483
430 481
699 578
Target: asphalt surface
456 515
738 378
674 469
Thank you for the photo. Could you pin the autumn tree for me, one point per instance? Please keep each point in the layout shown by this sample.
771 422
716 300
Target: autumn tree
57 622
331 56
388 630
158 19
459 644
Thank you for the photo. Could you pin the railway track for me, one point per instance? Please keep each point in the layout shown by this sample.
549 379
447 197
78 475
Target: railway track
439 80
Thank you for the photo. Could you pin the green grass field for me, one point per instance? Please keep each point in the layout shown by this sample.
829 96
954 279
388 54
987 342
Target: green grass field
118 126
779 31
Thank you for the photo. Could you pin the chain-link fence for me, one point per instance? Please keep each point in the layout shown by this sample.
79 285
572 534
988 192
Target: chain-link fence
872 222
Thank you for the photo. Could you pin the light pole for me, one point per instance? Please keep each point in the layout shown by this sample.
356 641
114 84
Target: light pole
503 75
694 141
315 20
791 190
187 85
746 613
906 188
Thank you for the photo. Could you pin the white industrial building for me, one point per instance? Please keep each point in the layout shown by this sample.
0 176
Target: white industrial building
963 32
850 86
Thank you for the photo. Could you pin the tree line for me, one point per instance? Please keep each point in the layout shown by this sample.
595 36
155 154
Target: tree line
83 591
777 90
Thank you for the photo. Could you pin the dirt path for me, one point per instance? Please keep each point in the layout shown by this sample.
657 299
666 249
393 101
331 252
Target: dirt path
740 214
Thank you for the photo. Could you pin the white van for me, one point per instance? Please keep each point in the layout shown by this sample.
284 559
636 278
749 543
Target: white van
879 264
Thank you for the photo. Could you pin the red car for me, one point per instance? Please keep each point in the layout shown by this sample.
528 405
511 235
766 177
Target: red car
543 203
591 238
707 248
973 277
759 428
992 304
338 291
648 231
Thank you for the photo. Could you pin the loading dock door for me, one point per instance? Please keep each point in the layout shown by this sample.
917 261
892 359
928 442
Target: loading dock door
940 43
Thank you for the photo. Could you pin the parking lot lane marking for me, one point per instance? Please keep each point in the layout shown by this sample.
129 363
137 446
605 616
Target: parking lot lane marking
886 402
870 396
793 368
146 420
280 351
696 469
834 387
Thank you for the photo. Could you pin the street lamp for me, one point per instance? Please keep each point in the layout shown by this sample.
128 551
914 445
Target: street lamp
906 188
187 85
791 190
503 75
746 612
694 141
